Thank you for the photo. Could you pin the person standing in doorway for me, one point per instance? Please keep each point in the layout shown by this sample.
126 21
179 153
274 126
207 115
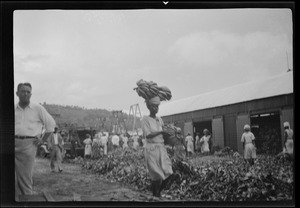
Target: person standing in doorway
29 120
204 141
56 146
189 144
248 141
197 143
288 140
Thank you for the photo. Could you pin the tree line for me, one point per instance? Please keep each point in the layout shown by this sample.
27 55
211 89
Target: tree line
100 119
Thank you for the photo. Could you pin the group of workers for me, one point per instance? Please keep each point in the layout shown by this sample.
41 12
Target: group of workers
104 141
31 117
202 145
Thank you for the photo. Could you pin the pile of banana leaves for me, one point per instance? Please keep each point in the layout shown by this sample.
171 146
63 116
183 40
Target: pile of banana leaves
228 179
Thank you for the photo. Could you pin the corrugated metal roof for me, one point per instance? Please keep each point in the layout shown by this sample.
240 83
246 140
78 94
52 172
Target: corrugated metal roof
277 85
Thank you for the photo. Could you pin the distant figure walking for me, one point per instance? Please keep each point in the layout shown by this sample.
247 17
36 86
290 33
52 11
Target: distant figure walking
56 145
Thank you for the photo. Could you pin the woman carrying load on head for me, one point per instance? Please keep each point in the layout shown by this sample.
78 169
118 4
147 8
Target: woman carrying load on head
157 160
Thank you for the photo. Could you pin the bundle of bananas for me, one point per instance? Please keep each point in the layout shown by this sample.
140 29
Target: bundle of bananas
150 89
174 135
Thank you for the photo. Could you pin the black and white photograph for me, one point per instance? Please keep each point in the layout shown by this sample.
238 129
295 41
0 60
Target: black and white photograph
162 103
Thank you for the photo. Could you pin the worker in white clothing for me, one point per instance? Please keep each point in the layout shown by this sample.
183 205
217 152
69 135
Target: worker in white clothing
115 141
103 142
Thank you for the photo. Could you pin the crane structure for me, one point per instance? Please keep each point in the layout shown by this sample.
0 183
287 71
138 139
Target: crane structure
118 125
134 110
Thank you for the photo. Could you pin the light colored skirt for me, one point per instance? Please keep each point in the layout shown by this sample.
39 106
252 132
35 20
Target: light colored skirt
190 147
205 147
250 151
88 149
289 146
157 161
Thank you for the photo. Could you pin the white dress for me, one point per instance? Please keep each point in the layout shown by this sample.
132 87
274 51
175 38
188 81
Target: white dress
190 144
249 150
205 145
88 146
158 162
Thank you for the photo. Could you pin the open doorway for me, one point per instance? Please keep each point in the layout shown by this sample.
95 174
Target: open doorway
199 127
266 129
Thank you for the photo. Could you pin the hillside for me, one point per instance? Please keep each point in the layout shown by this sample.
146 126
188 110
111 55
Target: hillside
100 119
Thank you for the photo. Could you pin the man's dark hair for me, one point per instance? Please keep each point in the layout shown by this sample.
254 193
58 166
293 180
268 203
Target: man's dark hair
26 84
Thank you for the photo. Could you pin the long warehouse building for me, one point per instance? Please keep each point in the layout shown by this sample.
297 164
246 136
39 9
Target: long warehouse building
264 104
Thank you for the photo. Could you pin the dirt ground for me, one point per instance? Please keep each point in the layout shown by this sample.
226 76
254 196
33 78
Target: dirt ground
76 184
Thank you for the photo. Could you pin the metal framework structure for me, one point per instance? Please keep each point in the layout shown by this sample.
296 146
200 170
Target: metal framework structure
119 122
134 109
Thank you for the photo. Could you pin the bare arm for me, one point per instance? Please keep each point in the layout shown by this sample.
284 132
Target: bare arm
253 141
154 134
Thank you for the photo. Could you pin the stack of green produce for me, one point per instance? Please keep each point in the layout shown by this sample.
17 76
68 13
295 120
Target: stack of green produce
220 179
150 89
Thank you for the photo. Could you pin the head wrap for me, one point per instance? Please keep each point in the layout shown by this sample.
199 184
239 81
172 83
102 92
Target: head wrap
286 124
246 127
155 100
205 130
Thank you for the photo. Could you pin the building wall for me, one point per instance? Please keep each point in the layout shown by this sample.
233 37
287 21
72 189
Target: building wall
229 114
230 131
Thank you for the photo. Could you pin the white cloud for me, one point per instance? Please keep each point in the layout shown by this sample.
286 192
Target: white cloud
210 50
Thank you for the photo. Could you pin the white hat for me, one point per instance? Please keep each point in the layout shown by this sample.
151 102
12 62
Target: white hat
246 127
286 124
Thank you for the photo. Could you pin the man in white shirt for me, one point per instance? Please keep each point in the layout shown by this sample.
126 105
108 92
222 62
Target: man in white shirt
103 141
29 120
56 145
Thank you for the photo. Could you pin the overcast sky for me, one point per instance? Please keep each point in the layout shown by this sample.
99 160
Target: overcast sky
93 58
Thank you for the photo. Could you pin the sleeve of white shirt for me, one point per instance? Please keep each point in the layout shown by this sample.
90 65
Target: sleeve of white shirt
47 120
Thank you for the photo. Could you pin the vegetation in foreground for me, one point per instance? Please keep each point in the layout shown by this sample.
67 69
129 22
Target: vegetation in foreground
203 178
